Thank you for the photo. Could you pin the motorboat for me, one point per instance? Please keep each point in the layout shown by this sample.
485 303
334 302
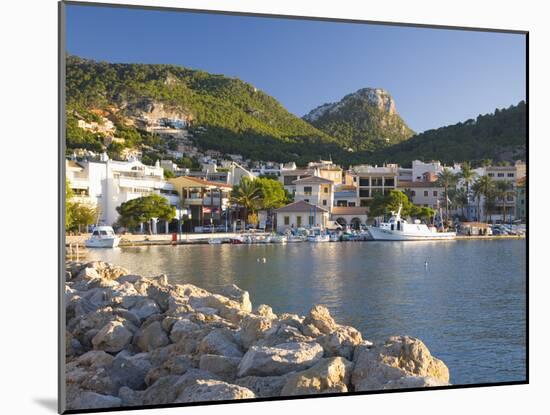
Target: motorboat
295 238
102 237
316 235
398 229
215 241
278 239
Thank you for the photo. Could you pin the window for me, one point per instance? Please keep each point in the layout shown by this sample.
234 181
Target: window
425 193
311 220
287 220
298 221
413 193
500 175
324 202
364 193
343 203
325 189
491 174
376 192
389 181
364 181
510 198
306 200
510 174
364 203
435 193
307 190
376 181
351 204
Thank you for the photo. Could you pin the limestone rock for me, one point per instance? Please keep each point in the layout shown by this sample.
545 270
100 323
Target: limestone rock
151 337
414 382
263 386
213 390
182 328
92 400
222 366
280 359
130 371
329 375
220 342
113 337
265 311
341 342
320 317
253 328
392 360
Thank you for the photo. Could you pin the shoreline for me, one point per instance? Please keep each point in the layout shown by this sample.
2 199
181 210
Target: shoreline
133 340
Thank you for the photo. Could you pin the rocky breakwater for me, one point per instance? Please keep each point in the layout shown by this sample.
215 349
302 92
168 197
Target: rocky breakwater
133 340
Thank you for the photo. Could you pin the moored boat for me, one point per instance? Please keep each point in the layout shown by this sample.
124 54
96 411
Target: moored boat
398 229
102 237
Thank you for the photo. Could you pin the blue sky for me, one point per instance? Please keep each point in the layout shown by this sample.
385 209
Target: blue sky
437 77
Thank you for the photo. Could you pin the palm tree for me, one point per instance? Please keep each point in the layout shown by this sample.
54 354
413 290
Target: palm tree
477 193
503 188
248 195
459 199
447 180
487 187
468 175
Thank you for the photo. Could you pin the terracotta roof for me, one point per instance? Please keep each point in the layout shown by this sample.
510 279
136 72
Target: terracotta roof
300 206
349 210
408 185
312 179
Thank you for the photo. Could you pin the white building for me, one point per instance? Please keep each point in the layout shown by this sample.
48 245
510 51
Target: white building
315 190
108 184
301 215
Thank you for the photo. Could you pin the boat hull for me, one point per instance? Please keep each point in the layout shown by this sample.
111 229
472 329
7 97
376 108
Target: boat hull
102 243
379 234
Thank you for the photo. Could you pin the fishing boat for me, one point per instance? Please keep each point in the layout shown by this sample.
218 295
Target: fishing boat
102 237
398 229
278 239
215 241
295 238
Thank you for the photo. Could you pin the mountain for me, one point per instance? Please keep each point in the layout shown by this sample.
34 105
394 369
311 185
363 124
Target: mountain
365 120
499 136
226 114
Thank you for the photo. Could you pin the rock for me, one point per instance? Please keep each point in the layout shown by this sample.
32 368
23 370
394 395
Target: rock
320 317
130 371
182 328
263 386
329 375
265 311
161 392
220 342
222 366
293 320
310 330
130 397
151 337
88 273
236 294
191 377
91 400
145 307
173 365
160 294
280 359
253 328
392 360
414 382
95 359
341 342
282 334
113 337
213 390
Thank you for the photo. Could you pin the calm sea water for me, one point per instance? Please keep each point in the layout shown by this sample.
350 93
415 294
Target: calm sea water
467 304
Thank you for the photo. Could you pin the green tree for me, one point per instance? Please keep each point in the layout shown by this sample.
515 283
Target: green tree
273 193
83 214
168 174
382 204
487 189
143 209
447 180
468 176
503 189
248 195
477 193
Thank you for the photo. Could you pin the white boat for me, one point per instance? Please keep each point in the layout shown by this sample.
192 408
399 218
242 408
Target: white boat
316 235
398 229
102 237
215 241
278 239
295 238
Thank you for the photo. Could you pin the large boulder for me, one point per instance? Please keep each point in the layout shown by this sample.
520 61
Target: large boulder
220 342
263 386
281 333
341 342
253 328
113 337
182 328
145 307
240 296
151 337
129 370
222 366
213 390
265 311
329 375
280 359
93 400
320 318
392 360
414 382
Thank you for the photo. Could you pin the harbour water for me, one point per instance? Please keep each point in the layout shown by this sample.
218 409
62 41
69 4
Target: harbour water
465 299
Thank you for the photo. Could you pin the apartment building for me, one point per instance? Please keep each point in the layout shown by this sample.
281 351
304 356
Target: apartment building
371 180
315 190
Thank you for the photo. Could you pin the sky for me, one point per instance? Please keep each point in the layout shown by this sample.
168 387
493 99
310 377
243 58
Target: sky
437 77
